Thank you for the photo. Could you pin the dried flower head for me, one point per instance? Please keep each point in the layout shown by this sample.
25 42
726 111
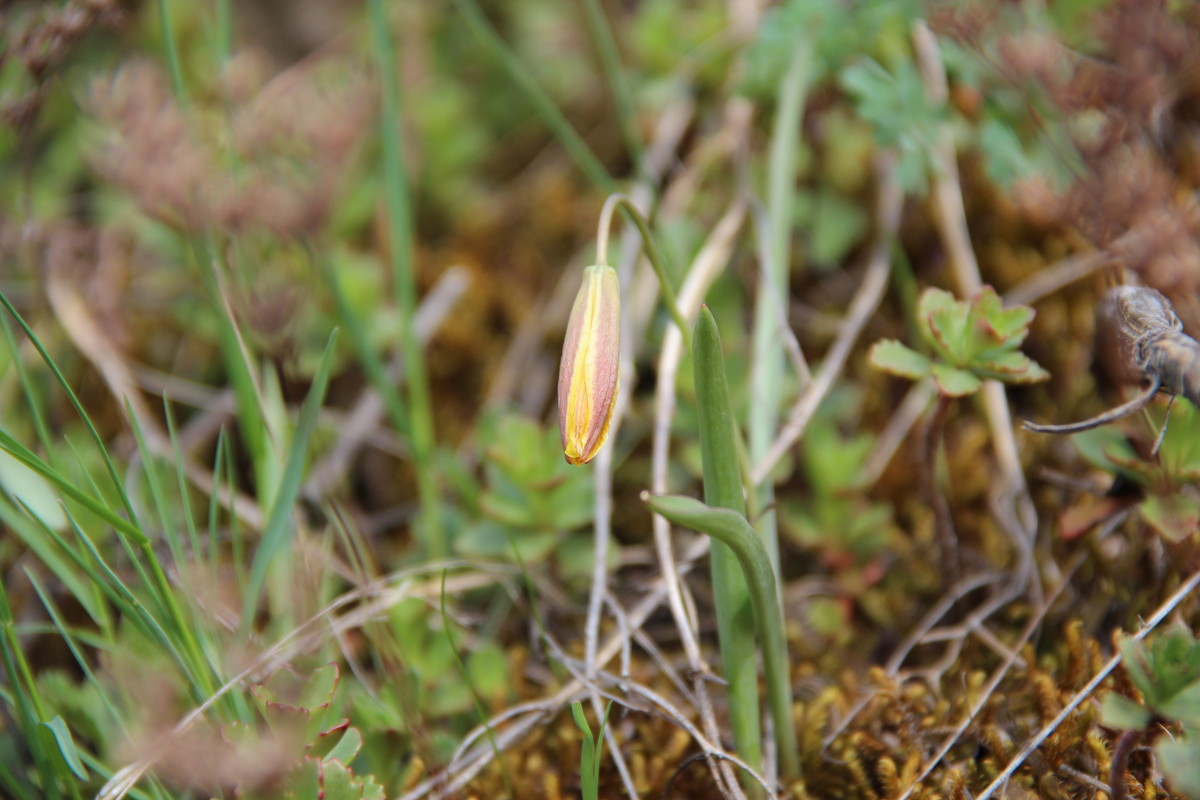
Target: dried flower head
587 374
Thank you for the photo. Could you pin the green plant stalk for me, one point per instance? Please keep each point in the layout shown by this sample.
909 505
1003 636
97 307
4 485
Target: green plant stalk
372 364
591 750
735 533
614 73
224 26
279 522
543 106
766 379
653 255
399 215
32 397
723 489
234 353
174 67
77 653
118 484
25 700
131 527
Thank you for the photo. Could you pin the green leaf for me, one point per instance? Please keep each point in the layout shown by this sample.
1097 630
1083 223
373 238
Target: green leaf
346 748
1118 711
1133 657
286 688
732 529
588 760
1008 325
488 667
32 491
1179 761
1108 449
275 535
1011 367
1184 706
1180 454
942 320
581 719
837 226
1174 516
891 356
723 489
954 382
66 746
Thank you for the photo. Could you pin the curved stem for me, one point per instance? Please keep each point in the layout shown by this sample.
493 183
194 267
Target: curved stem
942 520
1120 761
732 529
623 201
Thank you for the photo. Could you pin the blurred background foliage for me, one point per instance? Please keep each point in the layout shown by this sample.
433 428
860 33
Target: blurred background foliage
195 197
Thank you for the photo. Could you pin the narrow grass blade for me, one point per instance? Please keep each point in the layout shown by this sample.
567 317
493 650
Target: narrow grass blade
395 181
615 74
723 489
33 398
543 106
25 700
83 415
279 522
68 488
767 365
76 651
33 534
66 746
734 531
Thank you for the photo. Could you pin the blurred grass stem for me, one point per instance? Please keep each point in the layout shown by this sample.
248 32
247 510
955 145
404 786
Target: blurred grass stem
618 80
543 106
429 525
768 358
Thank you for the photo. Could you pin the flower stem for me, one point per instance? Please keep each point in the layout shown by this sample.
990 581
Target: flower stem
623 202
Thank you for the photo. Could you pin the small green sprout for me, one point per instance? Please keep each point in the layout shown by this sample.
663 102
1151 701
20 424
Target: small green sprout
971 342
1167 674
593 748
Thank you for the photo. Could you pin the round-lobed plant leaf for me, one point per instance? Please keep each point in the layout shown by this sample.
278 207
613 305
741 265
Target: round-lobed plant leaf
898 359
1179 760
1119 712
1184 706
954 382
1174 516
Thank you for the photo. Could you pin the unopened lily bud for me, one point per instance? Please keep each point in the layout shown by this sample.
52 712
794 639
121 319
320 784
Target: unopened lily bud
587 374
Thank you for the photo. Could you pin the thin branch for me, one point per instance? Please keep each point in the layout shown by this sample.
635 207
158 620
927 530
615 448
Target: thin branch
1036 741
986 693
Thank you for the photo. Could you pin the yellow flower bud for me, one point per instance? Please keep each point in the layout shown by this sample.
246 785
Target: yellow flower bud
587 374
